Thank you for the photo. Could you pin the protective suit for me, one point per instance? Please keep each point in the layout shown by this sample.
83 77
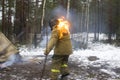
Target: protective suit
60 41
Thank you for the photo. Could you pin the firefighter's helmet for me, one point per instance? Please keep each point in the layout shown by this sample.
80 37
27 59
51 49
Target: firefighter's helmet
53 22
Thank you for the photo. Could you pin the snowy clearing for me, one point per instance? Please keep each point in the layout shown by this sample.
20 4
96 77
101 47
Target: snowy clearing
100 57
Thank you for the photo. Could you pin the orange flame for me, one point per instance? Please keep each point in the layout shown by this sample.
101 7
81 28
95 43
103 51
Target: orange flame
63 26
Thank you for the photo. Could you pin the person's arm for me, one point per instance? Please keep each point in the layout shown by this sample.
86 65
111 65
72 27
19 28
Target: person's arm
53 40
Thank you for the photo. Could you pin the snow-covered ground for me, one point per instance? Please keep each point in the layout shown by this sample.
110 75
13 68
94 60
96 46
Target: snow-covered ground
105 52
97 55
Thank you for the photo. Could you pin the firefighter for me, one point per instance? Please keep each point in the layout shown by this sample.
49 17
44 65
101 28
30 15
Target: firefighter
60 41
9 54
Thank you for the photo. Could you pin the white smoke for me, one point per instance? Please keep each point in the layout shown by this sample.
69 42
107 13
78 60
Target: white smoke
58 12
14 58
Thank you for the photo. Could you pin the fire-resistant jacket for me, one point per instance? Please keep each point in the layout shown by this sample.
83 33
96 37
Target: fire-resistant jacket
6 48
61 44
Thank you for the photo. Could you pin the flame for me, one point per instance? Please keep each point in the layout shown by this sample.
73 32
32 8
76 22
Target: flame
63 26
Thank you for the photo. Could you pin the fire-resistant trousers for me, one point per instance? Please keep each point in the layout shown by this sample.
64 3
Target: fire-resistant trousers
59 66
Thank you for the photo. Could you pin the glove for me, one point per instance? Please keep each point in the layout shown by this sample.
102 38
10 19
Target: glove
46 52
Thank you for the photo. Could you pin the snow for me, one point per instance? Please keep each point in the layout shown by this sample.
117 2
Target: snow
106 54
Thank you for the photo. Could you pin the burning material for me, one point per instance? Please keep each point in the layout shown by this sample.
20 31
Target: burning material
63 26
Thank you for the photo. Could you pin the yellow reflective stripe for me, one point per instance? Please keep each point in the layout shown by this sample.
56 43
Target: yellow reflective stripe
64 65
55 70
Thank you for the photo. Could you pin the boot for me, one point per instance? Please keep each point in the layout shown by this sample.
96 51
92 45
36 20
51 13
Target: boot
64 76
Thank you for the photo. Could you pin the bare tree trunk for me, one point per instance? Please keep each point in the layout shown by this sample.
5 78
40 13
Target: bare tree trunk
95 22
43 13
98 24
20 19
82 16
35 25
87 26
68 8
110 24
9 20
3 16
36 15
118 21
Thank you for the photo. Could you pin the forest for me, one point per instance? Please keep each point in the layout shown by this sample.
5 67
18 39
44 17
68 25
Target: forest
94 33
26 21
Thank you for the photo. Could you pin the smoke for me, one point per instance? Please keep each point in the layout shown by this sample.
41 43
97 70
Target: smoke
14 58
61 11
81 22
73 18
58 12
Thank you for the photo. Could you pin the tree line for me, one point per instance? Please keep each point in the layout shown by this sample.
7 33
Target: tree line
23 20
